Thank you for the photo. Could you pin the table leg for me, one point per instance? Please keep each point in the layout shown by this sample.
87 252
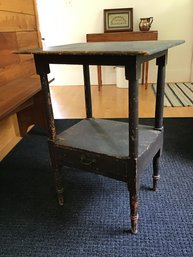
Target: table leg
99 74
145 69
57 172
156 167
133 152
132 74
143 73
134 211
48 105
87 89
161 62
52 135
146 74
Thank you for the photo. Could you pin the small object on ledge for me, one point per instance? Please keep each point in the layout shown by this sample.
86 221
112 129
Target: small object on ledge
145 23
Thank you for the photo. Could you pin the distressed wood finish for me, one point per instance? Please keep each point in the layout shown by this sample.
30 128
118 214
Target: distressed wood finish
110 148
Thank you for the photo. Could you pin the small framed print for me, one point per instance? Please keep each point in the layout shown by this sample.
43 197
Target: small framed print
116 20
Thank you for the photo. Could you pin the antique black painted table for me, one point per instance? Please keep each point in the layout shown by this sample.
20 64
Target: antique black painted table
114 149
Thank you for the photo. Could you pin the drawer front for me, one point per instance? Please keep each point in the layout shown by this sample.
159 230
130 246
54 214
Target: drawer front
95 163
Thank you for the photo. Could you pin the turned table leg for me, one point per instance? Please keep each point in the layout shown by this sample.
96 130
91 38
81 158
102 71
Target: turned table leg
134 211
156 168
132 74
99 74
43 69
57 173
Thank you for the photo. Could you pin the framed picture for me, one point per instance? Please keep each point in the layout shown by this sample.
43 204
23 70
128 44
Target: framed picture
118 20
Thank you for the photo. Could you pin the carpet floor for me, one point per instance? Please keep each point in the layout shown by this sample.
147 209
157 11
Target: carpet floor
94 220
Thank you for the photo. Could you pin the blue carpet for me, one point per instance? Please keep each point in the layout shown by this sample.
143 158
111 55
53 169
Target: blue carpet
95 218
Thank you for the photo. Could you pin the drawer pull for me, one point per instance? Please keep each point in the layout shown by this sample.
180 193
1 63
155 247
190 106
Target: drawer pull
87 159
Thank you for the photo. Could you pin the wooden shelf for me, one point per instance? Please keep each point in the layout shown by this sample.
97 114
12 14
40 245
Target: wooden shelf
94 141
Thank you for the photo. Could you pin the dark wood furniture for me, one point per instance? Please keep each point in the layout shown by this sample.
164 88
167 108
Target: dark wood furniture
114 149
123 36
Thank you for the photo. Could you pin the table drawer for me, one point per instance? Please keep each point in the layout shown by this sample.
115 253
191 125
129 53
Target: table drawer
95 163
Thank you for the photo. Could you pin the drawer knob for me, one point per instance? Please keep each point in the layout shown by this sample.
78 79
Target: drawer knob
86 159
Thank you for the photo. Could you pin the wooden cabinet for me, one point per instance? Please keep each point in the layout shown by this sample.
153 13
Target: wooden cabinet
123 36
19 90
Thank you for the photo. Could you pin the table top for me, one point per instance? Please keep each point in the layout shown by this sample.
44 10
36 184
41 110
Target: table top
130 48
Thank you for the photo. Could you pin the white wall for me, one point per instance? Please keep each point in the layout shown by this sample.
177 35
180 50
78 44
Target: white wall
68 21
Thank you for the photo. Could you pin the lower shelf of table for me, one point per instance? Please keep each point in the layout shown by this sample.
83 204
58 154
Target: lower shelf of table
102 146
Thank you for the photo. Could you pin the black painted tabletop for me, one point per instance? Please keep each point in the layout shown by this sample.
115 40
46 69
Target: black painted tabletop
107 48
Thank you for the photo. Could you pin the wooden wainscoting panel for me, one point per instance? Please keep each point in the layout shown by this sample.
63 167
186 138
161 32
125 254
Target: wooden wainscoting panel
19 96
27 40
7 58
10 21
9 135
8 43
17 71
37 23
19 6
8 40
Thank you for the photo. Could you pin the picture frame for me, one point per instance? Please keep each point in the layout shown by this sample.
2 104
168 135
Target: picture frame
117 20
